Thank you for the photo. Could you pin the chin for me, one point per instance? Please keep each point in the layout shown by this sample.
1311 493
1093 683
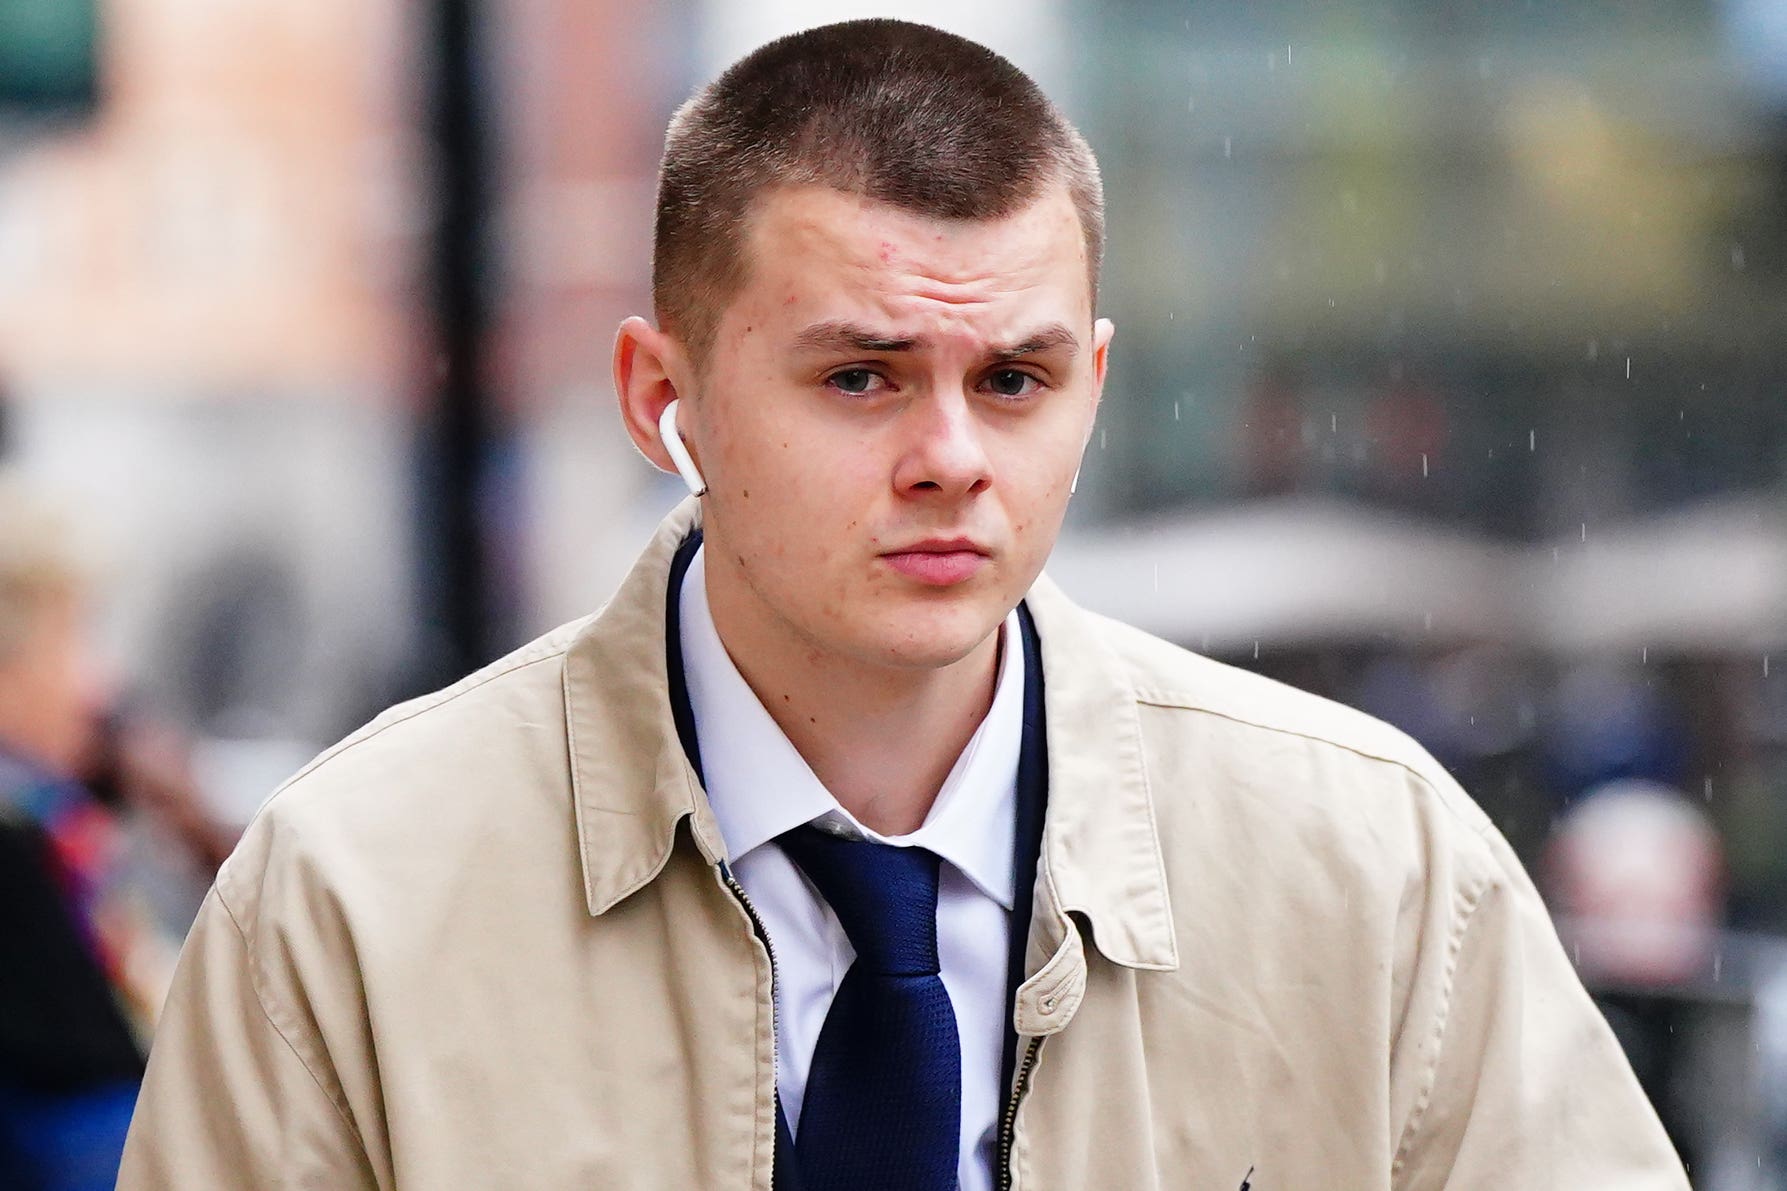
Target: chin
930 638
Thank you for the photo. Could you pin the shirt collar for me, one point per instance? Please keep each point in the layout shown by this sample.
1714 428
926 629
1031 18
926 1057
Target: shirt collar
759 785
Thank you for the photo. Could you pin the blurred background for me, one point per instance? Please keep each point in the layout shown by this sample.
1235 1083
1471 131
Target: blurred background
1449 382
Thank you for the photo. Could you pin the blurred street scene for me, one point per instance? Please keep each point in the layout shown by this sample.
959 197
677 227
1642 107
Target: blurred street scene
1449 382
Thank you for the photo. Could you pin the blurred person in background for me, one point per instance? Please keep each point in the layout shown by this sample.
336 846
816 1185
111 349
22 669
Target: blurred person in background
83 962
69 1057
1050 900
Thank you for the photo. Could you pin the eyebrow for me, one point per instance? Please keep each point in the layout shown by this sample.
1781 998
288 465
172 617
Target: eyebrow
849 337
1047 339
854 337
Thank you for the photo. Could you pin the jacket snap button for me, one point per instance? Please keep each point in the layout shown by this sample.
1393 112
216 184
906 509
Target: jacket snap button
1048 1004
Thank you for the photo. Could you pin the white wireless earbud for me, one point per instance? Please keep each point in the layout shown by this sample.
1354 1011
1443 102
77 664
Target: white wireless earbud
679 453
1073 485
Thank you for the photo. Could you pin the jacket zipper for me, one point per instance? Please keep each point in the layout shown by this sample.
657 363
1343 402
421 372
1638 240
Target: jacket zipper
1008 1127
775 1024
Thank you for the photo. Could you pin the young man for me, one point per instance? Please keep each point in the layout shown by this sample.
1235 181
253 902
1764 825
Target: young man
840 850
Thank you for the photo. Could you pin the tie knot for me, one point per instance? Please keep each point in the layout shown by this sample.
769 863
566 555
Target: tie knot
885 897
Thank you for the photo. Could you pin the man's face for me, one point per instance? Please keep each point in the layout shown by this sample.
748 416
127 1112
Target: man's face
890 418
52 690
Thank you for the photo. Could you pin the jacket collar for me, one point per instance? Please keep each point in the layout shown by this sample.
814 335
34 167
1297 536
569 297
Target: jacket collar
632 784
1101 846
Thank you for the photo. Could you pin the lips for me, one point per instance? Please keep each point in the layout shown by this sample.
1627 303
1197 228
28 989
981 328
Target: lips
938 562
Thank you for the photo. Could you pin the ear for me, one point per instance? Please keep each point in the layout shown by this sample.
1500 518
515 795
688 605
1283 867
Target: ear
647 363
1102 332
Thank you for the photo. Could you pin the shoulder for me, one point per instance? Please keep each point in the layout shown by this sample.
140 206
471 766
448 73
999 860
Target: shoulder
1165 675
423 786
1253 745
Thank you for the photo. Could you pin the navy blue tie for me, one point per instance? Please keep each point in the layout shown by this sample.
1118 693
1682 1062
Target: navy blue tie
883 1105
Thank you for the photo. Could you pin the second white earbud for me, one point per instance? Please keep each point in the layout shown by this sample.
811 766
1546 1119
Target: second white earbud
1073 485
679 453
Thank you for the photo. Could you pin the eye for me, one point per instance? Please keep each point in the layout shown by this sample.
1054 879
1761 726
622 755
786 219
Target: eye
1012 382
855 382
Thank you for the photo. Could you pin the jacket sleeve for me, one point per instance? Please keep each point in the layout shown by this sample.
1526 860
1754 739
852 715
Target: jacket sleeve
1525 1085
236 1096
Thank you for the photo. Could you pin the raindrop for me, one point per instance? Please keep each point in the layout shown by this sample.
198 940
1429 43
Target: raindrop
1644 656
1101 439
1708 789
1532 440
1737 257
1585 531
1175 411
1191 105
1765 665
1333 423
1228 146
1423 465
1427 621
1718 966
1256 648
1628 367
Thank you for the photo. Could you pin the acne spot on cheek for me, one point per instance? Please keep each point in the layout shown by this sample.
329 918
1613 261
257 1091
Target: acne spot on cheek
747 493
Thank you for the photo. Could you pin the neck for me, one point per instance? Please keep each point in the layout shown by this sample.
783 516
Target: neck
882 739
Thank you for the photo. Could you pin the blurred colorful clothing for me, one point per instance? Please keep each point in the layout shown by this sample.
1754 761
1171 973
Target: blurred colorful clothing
70 1062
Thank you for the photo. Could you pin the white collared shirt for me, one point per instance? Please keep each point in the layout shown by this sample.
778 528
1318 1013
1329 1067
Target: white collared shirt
760 787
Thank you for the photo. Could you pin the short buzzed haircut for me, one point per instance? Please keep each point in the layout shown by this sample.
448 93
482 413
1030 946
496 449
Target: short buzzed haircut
900 113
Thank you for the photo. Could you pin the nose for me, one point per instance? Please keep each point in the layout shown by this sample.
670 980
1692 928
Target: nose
946 455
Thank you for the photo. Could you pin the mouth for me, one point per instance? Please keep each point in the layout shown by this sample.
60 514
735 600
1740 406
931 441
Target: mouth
939 562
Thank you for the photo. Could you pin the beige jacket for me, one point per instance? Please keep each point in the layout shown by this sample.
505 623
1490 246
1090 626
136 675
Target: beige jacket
485 943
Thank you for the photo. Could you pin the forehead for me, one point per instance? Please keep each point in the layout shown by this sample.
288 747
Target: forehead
817 252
